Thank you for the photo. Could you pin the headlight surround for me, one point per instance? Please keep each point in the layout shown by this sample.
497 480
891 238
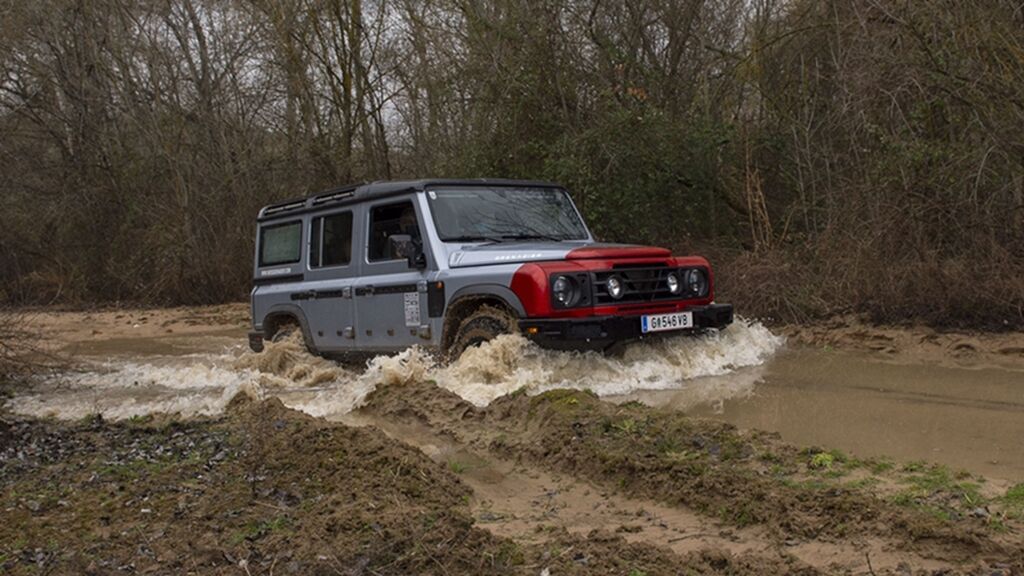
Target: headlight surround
673 283
565 291
696 282
615 287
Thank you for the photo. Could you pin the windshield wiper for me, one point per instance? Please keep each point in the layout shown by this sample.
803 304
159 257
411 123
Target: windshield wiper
531 237
473 238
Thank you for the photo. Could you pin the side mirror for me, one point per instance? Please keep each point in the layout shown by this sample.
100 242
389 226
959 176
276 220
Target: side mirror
402 246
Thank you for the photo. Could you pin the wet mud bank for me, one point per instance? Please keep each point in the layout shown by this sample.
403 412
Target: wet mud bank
824 507
269 490
415 485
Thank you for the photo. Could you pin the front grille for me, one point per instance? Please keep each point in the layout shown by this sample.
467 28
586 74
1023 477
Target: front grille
642 284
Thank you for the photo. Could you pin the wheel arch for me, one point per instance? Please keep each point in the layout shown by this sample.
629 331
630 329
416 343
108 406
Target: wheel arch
468 299
282 314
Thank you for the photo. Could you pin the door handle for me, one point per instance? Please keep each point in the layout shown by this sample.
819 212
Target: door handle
307 295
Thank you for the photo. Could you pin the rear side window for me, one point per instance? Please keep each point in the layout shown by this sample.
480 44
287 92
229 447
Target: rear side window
387 221
280 244
331 240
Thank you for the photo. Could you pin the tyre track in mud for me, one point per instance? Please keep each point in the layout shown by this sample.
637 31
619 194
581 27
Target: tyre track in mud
269 490
712 476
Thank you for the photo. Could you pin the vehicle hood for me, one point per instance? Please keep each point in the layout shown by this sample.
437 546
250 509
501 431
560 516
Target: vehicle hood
512 252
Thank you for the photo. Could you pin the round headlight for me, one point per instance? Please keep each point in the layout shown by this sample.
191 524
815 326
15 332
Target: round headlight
696 282
674 285
564 290
614 285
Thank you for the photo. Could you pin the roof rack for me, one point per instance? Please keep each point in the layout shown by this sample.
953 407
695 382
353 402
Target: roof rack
286 206
321 199
335 195
381 189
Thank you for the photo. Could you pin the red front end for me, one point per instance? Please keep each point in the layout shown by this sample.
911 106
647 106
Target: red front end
599 296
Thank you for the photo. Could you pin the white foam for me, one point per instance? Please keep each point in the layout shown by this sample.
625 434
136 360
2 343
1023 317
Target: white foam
509 363
204 384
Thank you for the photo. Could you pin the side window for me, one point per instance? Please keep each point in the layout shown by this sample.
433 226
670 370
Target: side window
331 240
281 244
387 221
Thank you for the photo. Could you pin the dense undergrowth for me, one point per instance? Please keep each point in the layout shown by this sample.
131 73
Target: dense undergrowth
832 156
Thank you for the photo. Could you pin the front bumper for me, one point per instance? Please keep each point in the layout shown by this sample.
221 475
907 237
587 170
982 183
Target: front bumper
603 332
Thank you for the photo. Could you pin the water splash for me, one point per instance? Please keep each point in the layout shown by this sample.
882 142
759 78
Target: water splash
509 363
204 384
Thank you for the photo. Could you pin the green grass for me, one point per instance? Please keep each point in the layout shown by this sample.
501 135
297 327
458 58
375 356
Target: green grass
915 466
1014 501
822 461
925 482
879 465
830 460
134 469
626 426
1015 496
510 554
938 478
257 530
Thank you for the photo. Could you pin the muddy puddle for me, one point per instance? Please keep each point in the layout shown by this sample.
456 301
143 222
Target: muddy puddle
962 416
966 417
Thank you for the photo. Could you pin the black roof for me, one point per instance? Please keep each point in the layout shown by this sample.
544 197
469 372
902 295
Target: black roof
354 193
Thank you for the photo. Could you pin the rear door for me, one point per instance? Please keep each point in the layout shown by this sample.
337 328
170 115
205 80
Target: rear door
391 295
278 269
327 298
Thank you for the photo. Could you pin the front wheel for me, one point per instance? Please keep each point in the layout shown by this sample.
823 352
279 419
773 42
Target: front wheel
483 325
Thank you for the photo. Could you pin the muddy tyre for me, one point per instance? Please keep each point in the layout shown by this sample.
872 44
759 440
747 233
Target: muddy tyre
286 329
484 324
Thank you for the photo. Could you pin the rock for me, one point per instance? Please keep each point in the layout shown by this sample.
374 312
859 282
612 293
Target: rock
487 516
980 513
33 505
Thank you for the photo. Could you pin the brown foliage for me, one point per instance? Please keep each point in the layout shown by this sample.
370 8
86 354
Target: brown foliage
877 146
20 356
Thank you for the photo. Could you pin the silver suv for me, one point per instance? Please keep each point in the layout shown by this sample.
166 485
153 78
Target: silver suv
448 264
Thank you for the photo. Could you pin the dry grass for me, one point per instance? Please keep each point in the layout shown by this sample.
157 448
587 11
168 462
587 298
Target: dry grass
981 289
21 357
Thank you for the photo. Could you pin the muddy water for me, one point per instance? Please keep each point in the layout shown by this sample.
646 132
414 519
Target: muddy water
964 417
168 374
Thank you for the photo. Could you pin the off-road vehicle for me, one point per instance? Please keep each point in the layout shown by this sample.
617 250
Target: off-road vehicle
448 264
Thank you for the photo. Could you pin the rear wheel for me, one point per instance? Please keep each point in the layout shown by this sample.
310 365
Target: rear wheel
484 324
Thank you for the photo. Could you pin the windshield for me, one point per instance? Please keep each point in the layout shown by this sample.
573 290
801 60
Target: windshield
505 213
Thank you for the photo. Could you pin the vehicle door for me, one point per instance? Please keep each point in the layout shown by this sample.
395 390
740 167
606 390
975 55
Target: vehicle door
327 296
391 294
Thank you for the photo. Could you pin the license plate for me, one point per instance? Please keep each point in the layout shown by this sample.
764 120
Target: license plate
662 322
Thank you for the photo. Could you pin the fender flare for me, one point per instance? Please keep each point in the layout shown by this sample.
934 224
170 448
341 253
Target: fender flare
293 311
495 290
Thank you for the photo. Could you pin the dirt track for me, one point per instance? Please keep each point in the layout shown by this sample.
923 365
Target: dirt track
420 481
